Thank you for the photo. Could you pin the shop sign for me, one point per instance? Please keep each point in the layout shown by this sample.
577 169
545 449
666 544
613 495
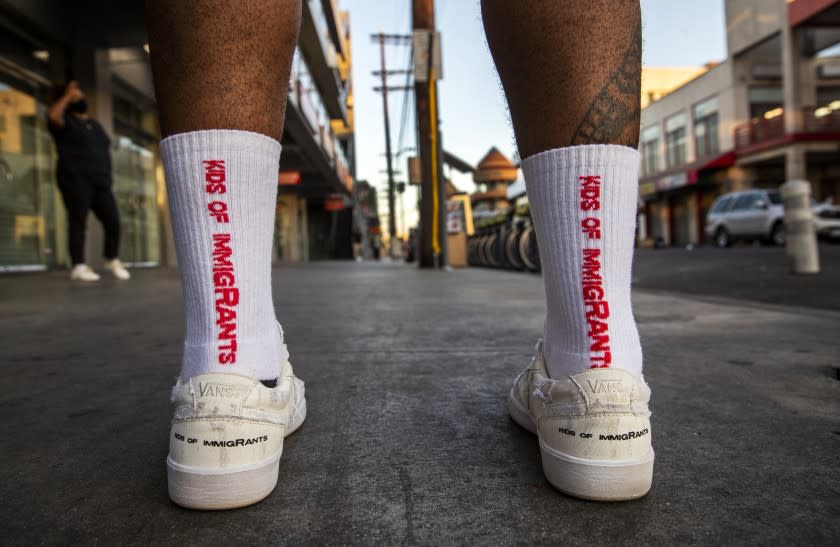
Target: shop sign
334 203
647 188
288 178
459 215
454 216
670 182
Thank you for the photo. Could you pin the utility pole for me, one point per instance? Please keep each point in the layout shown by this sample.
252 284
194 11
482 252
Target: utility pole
392 221
400 191
382 38
433 186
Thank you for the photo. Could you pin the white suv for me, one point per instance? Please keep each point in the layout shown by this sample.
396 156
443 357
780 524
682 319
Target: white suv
748 215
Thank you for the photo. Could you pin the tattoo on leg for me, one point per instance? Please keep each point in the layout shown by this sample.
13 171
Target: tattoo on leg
613 117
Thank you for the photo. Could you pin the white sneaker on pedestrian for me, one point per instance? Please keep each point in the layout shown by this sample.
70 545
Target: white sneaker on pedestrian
227 437
118 269
593 429
83 272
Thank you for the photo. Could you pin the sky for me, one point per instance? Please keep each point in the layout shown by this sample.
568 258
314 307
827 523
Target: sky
473 113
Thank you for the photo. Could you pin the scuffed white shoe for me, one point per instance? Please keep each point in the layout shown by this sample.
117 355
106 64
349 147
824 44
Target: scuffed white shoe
83 272
227 437
593 428
118 269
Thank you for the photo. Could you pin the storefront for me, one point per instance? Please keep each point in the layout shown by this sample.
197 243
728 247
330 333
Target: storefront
104 47
33 223
291 241
675 207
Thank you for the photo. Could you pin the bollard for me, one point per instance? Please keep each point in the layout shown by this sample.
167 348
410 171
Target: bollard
800 235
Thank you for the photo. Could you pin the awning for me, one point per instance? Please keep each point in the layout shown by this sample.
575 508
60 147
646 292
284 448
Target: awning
678 180
720 162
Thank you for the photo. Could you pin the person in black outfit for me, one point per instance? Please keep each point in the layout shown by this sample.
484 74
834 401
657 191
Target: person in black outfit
84 179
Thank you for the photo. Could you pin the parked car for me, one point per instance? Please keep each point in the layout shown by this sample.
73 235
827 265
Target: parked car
759 215
747 215
827 221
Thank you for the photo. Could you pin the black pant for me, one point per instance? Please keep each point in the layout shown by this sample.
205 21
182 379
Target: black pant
81 195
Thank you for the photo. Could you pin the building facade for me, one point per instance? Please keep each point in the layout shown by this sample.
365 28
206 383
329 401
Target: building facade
767 114
103 45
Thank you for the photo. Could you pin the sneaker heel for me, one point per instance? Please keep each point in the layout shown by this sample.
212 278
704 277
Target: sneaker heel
598 480
194 489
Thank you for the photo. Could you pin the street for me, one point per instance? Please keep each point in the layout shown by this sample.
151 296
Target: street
752 273
408 439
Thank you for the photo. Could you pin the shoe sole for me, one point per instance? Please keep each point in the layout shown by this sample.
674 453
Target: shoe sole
209 489
595 480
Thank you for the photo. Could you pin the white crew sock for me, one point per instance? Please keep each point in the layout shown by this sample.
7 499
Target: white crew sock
222 187
583 201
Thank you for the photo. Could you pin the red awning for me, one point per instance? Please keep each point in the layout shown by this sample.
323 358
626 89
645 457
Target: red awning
724 160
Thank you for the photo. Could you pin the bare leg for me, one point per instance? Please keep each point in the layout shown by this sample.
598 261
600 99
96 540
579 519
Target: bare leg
221 76
571 70
571 73
222 65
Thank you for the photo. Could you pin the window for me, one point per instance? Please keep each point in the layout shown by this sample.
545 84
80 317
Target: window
745 201
311 104
827 95
775 198
675 139
721 205
650 150
765 99
135 188
27 221
706 127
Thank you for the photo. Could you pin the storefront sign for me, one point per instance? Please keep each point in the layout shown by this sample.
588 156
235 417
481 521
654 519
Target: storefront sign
288 178
647 189
334 203
670 182
454 216
459 215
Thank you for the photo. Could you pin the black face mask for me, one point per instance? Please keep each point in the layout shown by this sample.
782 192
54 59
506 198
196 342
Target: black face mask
79 107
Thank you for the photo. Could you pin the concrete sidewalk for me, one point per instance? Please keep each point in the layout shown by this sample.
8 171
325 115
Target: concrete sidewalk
407 439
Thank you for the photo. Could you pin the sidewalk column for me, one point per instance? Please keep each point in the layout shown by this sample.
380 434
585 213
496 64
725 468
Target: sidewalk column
800 236
791 54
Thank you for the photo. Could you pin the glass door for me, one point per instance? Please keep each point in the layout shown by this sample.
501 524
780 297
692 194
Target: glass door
27 178
134 178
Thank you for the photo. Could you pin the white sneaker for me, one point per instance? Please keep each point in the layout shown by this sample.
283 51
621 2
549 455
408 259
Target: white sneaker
593 428
227 437
83 272
118 269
